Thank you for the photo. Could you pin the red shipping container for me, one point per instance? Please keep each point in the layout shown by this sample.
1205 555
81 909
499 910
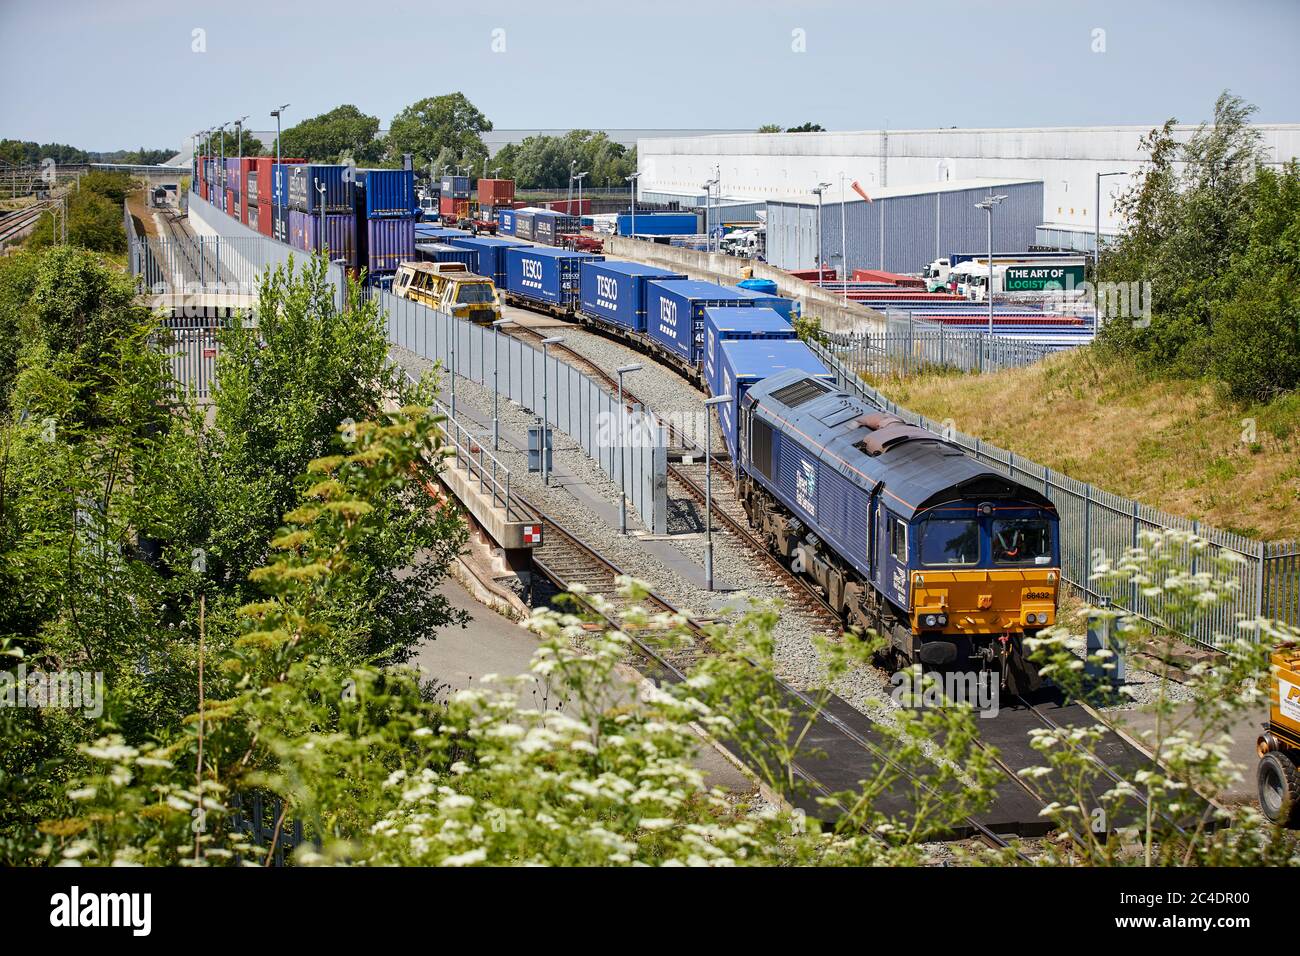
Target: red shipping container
571 207
265 217
876 275
232 204
496 192
810 275
449 206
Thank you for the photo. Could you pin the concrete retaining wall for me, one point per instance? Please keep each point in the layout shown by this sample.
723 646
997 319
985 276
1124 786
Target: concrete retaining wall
727 270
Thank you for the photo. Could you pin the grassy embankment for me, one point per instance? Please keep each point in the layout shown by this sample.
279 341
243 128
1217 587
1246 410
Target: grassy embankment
1174 444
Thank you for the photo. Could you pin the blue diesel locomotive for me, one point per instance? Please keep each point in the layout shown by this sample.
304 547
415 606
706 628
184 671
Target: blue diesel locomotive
952 562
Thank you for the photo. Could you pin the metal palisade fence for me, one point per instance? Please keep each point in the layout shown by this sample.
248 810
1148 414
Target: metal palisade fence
910 348
1096 524
630 446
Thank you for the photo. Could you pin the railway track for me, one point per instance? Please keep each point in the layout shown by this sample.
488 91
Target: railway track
13 224
839 754
1005 739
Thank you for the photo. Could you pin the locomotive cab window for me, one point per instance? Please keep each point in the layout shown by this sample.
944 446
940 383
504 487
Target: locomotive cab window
475 293
1022 541
898 540
950 541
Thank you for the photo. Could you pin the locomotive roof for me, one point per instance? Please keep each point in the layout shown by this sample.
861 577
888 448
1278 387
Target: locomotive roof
918 468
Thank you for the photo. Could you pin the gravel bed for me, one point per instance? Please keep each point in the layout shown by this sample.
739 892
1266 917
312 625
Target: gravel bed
796 657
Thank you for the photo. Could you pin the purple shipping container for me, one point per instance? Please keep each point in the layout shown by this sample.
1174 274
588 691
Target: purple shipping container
340 235
389 243
232 174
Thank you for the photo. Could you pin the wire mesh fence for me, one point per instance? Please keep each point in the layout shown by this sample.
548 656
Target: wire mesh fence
1097 525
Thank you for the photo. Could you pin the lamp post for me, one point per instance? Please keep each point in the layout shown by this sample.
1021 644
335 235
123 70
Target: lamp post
496 389
579 177
632 189
546 414
987 205
708 218
708 489
222 177
1096 238
622 447
320 230
820 188
275 173
844 244
573 166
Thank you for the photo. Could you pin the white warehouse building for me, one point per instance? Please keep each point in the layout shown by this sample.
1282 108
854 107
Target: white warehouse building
787 166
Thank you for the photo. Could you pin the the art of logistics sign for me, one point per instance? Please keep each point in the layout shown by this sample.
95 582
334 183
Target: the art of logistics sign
1038 278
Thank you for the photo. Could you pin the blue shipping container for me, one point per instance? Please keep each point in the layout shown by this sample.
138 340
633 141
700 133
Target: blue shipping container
432 232
506 222
523 224
660 224
742 362
305 180
390 193
616 291
438 252
455 186
723 325
489 255
675 313
389 243
280 223
545 274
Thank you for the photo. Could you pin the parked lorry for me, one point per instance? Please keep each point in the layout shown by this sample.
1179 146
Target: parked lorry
1034 278
938 274
448 287
1279 745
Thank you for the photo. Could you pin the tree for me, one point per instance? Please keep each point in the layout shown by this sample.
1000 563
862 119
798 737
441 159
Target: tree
1212 233
252 146
545 162
342 133
447 126
94 215
807 128
770 128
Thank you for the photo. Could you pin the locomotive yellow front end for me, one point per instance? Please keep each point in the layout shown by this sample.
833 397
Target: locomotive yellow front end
983 602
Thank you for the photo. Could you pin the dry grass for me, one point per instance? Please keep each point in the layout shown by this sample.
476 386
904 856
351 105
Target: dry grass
1176 445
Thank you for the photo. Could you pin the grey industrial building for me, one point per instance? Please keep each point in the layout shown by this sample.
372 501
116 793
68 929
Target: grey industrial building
903 228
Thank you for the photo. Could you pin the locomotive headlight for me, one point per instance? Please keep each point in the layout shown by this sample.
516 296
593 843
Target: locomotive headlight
930 620
942 620
1031 618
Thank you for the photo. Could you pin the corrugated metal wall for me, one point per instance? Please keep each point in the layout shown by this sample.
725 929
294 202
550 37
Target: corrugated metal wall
902 233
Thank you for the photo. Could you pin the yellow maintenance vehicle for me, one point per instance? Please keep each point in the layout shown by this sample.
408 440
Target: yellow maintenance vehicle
449 287
1279 745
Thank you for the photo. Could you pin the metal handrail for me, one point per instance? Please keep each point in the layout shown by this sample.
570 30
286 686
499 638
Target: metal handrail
480 463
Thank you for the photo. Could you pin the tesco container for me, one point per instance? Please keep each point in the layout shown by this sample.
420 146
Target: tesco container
743 362
546 275
440 252
388 243
456 187
335 238
659 224
675 313
732 325
488 255
505 222
306 180
265 222
615 292
389 193
496 192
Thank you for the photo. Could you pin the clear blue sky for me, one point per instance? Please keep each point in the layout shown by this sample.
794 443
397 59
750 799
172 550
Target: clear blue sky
108 74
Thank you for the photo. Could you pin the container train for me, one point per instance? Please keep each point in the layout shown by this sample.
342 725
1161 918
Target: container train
954 563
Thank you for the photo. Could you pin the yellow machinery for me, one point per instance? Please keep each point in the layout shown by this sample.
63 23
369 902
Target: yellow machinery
1279 745
448 287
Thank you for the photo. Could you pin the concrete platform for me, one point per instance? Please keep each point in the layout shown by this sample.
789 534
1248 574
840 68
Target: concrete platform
488 509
